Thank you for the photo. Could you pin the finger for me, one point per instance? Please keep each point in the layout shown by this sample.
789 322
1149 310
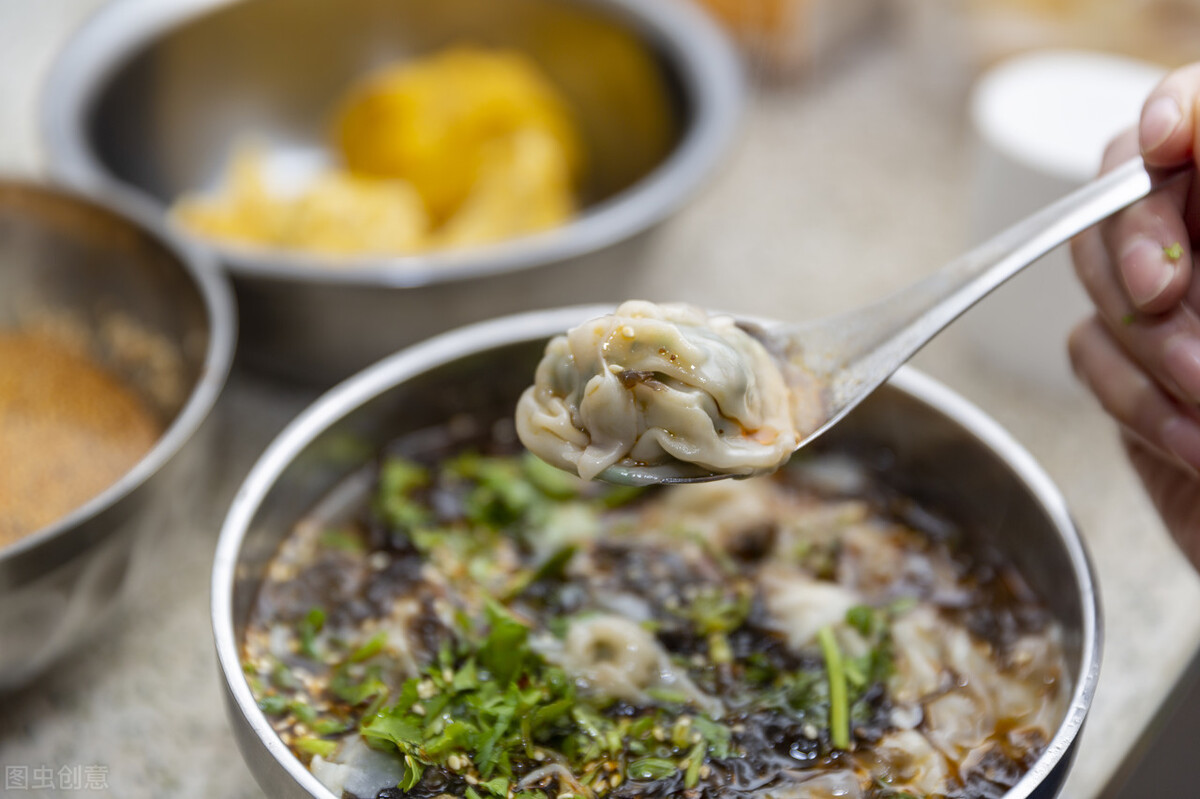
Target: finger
1173 491
1149 241
1167 345
1132 398
1122 147
1167 128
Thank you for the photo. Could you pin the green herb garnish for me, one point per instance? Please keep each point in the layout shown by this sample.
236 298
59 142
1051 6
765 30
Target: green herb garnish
370 649
652 768
550 480
310 626
552 568
1174 252
315 746
345 540
501 495
839 709
398 480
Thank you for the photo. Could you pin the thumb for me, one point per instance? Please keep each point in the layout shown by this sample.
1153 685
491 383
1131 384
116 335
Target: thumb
1167 130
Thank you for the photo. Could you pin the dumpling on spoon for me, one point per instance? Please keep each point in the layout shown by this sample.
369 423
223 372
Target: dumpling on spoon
650 384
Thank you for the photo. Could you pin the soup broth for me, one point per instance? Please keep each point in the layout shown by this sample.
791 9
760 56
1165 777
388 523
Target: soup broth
462 619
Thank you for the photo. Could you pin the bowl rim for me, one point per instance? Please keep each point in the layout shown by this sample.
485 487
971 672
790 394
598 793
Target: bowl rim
344 398
216 296
711 72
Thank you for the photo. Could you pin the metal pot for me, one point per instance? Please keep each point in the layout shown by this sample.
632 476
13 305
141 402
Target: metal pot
152 95
79 262
921 437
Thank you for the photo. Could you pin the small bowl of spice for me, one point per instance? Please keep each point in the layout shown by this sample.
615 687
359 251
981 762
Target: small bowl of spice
115 342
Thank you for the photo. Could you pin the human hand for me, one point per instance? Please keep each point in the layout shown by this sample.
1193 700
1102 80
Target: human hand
1140 352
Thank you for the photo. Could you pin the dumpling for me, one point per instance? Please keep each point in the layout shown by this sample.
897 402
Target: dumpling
654 383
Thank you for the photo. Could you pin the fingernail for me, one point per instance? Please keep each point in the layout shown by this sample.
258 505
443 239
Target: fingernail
1160 119
1181 358
1146 271
1182 437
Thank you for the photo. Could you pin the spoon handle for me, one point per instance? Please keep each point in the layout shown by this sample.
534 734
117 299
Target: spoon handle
875 342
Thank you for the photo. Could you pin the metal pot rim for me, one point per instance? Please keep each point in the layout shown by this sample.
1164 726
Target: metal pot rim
413 361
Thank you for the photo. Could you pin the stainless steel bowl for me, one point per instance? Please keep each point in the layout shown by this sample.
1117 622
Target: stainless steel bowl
152 95
157 315
928 442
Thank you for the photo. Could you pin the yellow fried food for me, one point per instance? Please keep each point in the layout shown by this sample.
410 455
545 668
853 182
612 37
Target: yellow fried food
461 148
243 211
524 185
338 213
344 213
437 121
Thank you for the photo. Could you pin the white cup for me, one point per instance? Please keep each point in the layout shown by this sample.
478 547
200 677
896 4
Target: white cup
1041 122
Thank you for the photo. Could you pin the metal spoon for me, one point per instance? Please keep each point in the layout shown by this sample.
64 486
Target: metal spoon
850 355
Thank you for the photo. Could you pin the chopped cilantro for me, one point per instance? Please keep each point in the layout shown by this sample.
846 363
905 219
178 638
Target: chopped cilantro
398 479
413 771
550 480
695 760
303 712
370 649
1174 252
309 627
862 618
282 678
506 647
273 705
356 689
652 768
839 715
500 495
617 496
315 746
328 726
346 540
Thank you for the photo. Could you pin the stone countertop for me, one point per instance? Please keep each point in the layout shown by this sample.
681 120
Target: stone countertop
841 190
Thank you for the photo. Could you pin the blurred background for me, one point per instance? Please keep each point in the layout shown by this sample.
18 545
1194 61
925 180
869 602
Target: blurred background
879 138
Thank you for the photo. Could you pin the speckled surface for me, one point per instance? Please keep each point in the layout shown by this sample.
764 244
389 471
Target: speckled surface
842 189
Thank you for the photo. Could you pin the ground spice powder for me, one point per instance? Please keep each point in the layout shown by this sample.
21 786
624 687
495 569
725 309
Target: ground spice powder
68 430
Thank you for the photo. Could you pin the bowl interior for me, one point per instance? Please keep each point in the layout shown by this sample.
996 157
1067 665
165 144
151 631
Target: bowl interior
88 275
912 433
92 279
168 117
